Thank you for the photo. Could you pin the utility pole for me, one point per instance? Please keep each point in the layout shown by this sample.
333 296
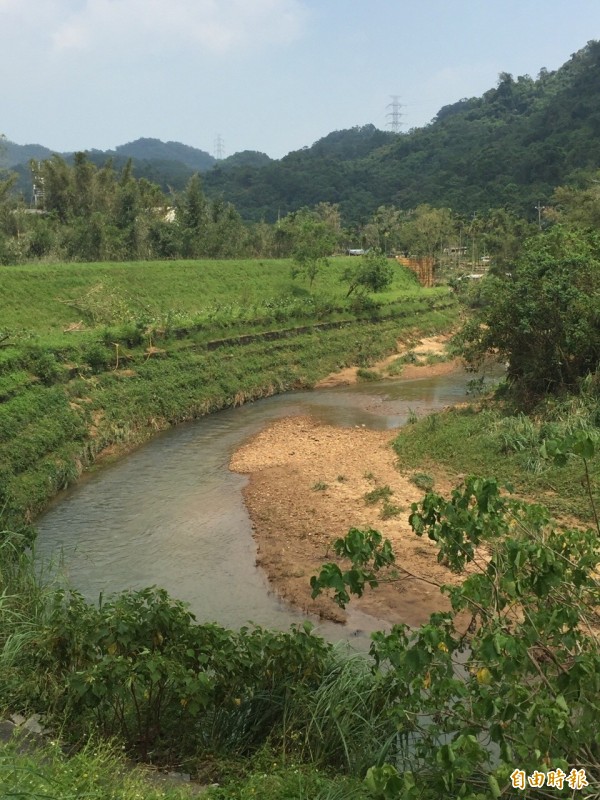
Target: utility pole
219 147
38 194
539 208
395 114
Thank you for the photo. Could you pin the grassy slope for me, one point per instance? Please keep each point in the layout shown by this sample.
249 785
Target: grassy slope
492 442
65 397
36 297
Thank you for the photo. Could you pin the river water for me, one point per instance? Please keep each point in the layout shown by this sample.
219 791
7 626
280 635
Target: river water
171 513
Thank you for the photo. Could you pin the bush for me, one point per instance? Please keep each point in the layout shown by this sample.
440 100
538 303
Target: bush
543 317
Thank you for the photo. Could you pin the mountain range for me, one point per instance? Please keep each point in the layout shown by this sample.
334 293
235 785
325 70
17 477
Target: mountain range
510 147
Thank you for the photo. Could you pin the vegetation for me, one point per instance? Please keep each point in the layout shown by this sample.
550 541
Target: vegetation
543 317
117 352
513 694
495 697
508 148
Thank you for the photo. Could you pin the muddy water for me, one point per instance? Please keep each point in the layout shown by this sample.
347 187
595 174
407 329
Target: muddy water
171 514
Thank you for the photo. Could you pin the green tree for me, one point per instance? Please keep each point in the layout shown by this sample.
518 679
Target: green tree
193 218
428 230
384 230
544 317
314 241
374 273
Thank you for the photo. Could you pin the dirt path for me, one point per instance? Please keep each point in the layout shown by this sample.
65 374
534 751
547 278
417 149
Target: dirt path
307 487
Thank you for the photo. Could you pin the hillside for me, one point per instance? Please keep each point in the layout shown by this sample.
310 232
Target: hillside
510 147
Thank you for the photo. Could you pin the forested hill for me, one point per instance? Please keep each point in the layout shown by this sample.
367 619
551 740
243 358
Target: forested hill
510 147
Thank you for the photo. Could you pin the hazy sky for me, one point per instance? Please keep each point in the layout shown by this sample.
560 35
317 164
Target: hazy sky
269 75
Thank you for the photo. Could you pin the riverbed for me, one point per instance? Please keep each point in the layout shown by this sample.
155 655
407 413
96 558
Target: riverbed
173 514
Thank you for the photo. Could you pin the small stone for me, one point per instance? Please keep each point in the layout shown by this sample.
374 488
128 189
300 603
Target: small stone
18 719
180 776
33 724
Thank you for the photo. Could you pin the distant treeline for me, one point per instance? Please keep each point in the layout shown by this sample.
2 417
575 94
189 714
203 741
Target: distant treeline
85 212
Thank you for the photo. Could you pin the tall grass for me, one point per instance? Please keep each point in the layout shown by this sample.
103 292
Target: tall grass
345 722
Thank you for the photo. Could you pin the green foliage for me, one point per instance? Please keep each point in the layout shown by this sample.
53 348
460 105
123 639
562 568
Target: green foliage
141 669
518 688
543 318
374 273
360 547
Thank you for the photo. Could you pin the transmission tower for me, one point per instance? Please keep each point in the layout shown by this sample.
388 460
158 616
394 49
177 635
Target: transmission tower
219 147
394 115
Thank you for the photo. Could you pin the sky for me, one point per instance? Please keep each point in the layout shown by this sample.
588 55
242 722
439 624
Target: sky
267 75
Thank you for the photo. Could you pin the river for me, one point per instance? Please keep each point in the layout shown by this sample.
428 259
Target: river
171 513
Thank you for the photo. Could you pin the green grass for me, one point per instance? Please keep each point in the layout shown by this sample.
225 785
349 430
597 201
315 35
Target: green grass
422 481
45 299
97 772
491 441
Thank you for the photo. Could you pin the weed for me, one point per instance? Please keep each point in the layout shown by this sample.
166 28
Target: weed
412 417
367 374
341 478
422 481
432 421
389 510
396 367
435 358
380 493
96 772
320 486
408 358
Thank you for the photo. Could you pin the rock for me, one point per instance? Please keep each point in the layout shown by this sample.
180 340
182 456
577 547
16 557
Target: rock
33 724
7 729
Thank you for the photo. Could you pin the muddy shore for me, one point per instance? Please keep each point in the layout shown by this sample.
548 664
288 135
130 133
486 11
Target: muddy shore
307 486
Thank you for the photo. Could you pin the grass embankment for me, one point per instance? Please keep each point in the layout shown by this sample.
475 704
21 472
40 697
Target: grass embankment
106 354
491 439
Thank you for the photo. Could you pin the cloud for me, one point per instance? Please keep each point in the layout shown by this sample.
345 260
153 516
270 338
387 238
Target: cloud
216 26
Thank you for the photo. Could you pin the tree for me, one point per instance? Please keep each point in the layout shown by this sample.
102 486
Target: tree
506 684
374 273
193 217
314 240
428 230
384 230
544 317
